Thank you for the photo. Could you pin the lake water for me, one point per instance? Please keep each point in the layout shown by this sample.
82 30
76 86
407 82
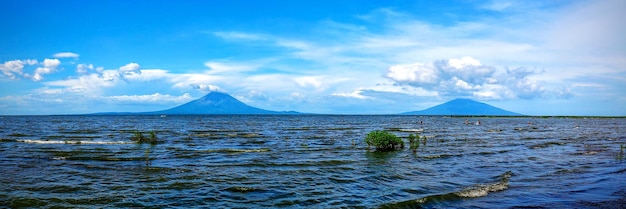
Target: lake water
311 161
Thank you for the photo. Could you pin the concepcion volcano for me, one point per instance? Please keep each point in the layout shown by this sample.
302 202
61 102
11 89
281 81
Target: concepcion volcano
216 103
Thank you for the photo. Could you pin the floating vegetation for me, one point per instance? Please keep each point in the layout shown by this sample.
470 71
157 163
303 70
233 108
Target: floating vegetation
592 149
140 138
620 154
240 189
547 144
414 142
383 141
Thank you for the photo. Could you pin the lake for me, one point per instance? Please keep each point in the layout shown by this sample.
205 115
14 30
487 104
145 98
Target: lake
311 161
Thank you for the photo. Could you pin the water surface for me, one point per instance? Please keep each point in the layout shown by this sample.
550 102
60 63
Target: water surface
304 161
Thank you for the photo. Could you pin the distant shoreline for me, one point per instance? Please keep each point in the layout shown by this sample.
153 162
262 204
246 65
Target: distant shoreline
313 114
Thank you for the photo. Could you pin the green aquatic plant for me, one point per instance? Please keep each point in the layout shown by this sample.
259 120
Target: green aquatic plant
147 156
140 138
152 136
414 142
383 141
137 136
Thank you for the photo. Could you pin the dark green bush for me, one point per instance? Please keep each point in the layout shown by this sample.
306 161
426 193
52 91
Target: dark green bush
383 141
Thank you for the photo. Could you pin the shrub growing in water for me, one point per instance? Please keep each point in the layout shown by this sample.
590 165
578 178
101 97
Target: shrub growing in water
383 140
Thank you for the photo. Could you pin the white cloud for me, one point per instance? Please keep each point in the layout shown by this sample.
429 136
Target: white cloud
309 81
151 98
14 68
413 73
467 76
463 62
216 67
205 87
130 69
355 94
66 55
84 68
49 66
51 63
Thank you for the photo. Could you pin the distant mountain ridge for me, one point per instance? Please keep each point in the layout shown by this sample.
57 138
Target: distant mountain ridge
464 107
217 103
214 103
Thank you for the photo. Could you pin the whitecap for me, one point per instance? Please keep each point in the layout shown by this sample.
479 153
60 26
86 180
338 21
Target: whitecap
482 190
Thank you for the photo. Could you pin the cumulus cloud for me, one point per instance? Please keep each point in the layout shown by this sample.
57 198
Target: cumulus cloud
14 68
355 94
84 68
151 98
130 69
49 66
205 87
66 55
467 77
419 74
309 81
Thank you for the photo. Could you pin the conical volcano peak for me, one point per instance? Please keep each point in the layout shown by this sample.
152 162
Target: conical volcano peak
217 103
216 95
462 106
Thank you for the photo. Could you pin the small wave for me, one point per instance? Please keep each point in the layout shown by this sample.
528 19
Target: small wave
411 130
31 141
471 192
482 190
238 150
241 189
438 156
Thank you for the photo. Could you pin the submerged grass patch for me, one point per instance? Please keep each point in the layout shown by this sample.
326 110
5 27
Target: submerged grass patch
140 138
547 144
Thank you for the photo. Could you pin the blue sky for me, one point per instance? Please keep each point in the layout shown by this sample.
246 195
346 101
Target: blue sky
338 57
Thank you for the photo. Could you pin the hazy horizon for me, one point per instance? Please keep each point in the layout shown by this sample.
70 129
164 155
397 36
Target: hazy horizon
556 58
